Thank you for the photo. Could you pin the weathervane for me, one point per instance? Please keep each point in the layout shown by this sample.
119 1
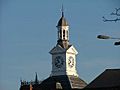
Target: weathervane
109 37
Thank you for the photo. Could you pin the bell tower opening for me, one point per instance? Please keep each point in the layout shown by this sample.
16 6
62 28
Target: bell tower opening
63 31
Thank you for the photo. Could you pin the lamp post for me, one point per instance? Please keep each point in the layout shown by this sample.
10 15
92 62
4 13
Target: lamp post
109 37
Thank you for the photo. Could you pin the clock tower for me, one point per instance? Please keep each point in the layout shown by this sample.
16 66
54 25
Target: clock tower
64 74
63 54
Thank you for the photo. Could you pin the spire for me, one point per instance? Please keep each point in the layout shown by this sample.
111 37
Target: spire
36 78
62 11
62 21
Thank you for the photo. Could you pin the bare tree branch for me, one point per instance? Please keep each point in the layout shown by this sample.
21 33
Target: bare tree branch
115 13
114 20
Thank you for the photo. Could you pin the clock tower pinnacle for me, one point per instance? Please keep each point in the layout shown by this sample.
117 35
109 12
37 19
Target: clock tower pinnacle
63 31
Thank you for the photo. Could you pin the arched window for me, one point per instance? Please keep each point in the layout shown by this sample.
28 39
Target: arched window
60 33
63 34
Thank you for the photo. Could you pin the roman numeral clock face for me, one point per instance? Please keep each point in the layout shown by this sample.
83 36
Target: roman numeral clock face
71 62
59 61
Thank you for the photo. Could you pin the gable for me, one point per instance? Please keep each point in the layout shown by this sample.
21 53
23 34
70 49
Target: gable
72 50
57 49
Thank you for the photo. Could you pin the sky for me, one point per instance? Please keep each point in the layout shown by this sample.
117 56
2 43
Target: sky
28 32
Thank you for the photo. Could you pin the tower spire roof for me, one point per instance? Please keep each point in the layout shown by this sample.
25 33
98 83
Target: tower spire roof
36 78
62 21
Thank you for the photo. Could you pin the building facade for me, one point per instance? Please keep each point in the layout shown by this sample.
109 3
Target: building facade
64 73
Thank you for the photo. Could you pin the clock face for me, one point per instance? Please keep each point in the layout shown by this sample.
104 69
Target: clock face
71 62
59 61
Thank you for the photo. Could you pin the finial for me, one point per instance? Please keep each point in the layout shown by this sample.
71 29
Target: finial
62 11
20 79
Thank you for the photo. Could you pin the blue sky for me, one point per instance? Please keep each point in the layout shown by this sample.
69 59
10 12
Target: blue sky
28 32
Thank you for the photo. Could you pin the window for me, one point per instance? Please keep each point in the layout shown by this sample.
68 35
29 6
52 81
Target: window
63 34
60 33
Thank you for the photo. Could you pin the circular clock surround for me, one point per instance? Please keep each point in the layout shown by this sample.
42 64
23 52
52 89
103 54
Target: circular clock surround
71 62
59 61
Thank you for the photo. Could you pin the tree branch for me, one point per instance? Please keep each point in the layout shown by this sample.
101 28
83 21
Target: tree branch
115 13
115 20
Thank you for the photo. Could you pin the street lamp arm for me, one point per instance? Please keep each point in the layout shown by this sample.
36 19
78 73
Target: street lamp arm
108 37
114 38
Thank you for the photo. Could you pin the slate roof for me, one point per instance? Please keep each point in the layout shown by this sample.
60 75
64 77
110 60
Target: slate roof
109 78
66 83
